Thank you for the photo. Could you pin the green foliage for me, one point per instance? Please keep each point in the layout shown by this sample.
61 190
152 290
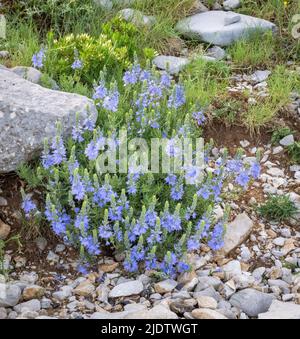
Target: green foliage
114 49
255 51
205 81
28 174
280 133
294 152
62 16
278 208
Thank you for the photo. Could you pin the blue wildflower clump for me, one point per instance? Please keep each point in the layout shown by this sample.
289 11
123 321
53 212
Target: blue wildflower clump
155 219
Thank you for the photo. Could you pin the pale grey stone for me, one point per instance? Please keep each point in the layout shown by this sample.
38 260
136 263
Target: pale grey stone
287 141
231 4
33 305
170 63
281 310
28 114
251 301
210 27
9 295
236 233
126 289
216 52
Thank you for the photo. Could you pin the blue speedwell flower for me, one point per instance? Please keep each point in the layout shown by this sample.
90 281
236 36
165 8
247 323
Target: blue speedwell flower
38 58
28 205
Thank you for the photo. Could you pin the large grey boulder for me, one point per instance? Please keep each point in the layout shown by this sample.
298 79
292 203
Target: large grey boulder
28 114
220 27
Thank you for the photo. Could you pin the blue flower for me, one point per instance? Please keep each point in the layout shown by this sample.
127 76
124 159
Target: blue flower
255 170
100 92
90 245
78 188
103 195
243 179
82 222
199 117
111 101
77 64
58 151
216 241
177 192
37 59
171 179
171 222
28 205
177 98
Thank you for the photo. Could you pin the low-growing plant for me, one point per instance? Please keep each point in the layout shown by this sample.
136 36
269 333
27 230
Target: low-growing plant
3 244
278 208
294 152
154 217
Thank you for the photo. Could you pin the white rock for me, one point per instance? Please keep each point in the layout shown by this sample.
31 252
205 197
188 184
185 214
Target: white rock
281 310
232 269
9 295
126 289
287 141
244 143
173 64
157 312
165 286
275 172
33 305
231 4
259 76
277 150
216 52
236 233
210 27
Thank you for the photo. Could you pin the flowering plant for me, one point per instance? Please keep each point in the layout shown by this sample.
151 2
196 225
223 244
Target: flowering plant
155 219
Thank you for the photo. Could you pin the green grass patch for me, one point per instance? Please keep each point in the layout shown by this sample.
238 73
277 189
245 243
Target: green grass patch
278 208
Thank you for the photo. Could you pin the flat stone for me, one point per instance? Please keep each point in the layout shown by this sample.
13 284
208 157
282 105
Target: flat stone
275 172
9 295
228 5
108 268
170 63
232 269
4 230
33 292
33 305
251 301
236 233
207 302
231 18
287 141
157 312
205 282
126 289
210 27
259 76
281 310
206 313
85 289
216 52
28 115
165 286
